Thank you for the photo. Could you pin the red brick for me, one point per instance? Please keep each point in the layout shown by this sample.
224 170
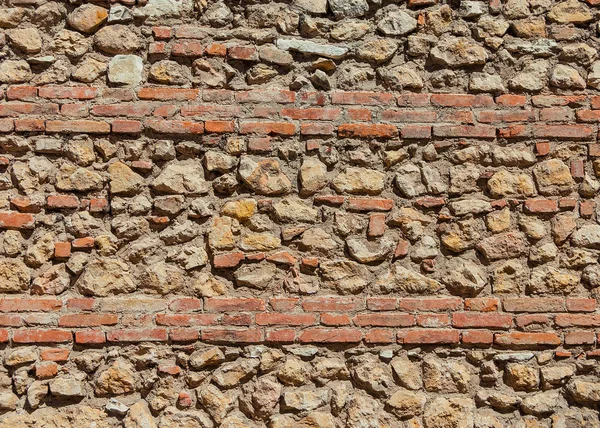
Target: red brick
540 206
232 336
265 96
433 320
581 305
334 335
572 320
227 260
370 204
226 304
378 335
429 304
259 144
577 168
150 93
330 319
514 131
313 128
157 48
359 114
46 370
481 320
162 33
62 250
184 334
216 49
137 335
404 116
519 339
120 126
332 304
243 53
563 131
42 336
19 109
482 304
27 304
382 303
187 48
285 319
81 303
556 100
139 109
282 257
63 92
465 131
542 148
362 98
587 208
219 126
84 243
187 320
266 128
22 92
74 110
497 116
77 126
330 199
90 337
281 336
59 355
30 125
186 304
58 202
575 338
179 127
461 100
536 304
532 321
428 336
414 100
376 225
384 320
6 125
87 320
556 114
283 303
477 337
10 321
359 130
510 100
4 336
14 220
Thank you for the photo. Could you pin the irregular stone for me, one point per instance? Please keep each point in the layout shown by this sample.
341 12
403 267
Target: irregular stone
503 246
265 176
548 279
348 8
162 278
105 276
365 251
452 412
293 209
359 181
401 279
566 77
139 416
407 373
377 50
521 377
316 239
125 70
396 23
70 43
483 82
118 378
123 180
302 400
532 78
67 388
584 392
458 52
27 40
406 404
504 183
54 280
257 276
216 403
116 39
14 275
233 374
345 276
464 277
15 71
570 12
169 73
312 175
541 404
181 177
445 376
87 18
349 30
310 47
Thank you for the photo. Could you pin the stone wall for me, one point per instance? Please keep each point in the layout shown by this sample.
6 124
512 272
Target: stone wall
307 213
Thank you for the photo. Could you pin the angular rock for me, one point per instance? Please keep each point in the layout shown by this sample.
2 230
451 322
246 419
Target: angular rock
116 39
87 18
401 279
503 246
359 181
365 251
348 8
181 177
14 276
125 70
104 277
458 52
265 176
310 47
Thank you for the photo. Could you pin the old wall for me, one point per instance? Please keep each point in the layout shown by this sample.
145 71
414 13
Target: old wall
311 213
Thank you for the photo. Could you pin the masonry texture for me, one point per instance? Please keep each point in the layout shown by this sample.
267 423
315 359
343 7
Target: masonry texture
306 213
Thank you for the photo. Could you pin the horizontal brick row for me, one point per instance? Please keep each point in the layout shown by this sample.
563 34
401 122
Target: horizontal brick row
316 335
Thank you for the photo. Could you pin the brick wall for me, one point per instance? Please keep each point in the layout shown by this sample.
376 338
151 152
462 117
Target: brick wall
313 213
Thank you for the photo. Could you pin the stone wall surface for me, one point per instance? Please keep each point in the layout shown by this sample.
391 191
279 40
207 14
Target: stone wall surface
306 213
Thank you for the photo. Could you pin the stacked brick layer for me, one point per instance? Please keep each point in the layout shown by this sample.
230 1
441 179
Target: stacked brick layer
309 213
